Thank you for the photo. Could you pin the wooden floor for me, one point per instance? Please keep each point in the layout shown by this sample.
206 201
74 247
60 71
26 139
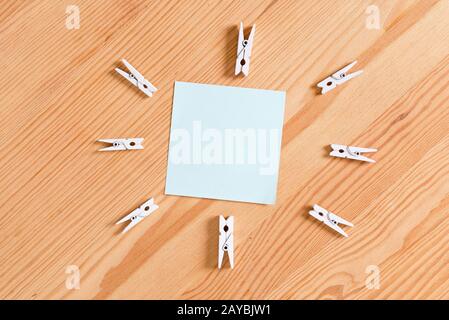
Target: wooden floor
60 197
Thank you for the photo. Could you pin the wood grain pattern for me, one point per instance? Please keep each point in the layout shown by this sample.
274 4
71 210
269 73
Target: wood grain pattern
60 197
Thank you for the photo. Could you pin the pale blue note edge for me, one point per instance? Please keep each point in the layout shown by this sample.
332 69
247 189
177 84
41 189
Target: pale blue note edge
225 142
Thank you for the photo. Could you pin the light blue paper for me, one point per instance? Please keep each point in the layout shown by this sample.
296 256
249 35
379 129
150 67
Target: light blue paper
225 142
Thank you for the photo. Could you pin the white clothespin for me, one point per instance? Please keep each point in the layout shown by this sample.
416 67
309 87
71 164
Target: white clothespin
330 219
137 79
338 78
354 153
226 241
244 51
122 144
137 215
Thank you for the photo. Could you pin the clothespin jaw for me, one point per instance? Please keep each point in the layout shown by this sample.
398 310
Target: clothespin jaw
339 77
122 144
349 152
226 240
244 48
136 78
330 219
137 215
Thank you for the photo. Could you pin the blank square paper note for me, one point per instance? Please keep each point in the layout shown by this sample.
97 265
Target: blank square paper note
225 143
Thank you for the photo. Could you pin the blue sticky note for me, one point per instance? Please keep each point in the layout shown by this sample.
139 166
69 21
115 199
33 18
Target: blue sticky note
225 142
